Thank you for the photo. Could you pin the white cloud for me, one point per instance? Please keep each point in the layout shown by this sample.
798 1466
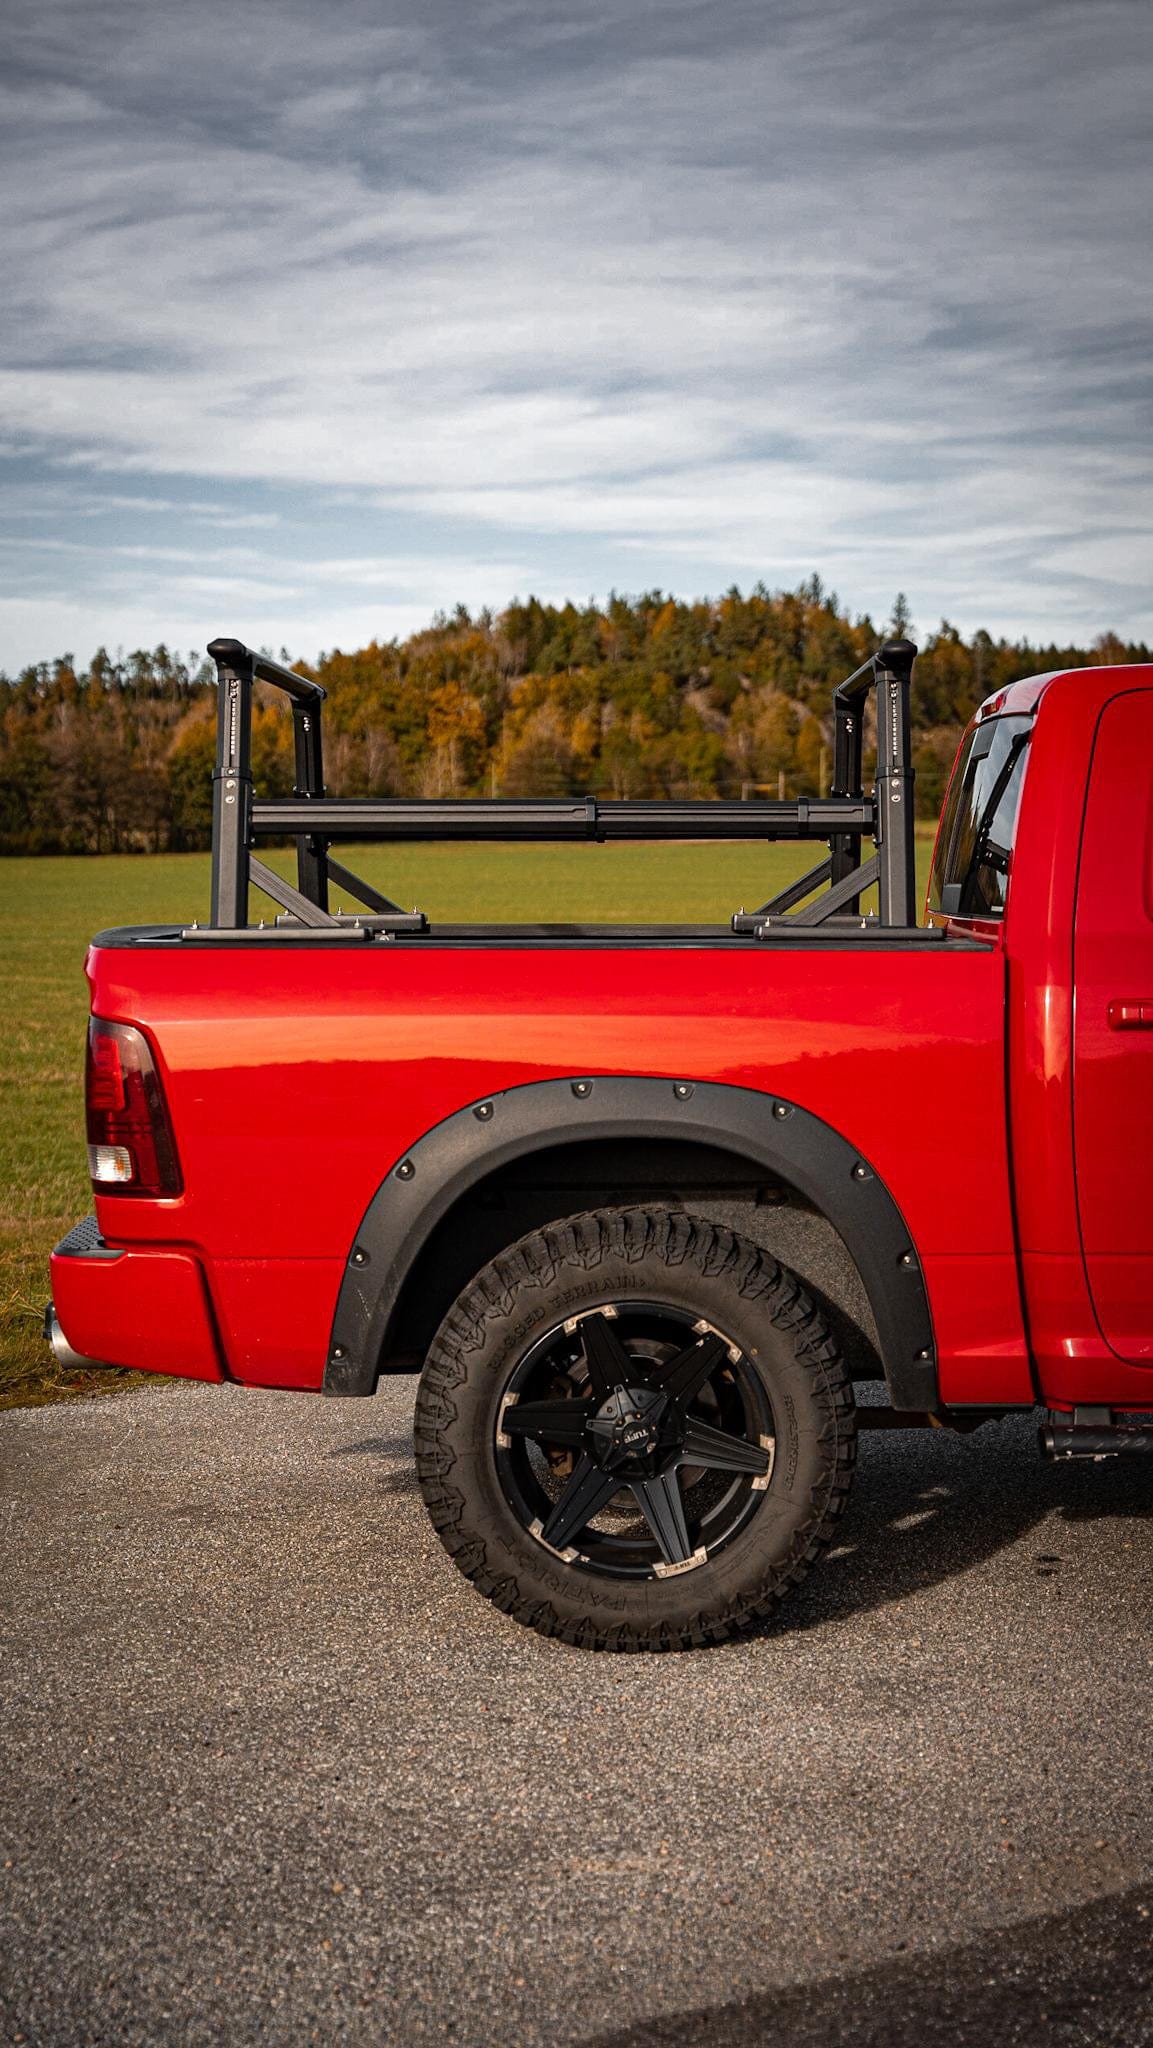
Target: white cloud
743 291
184 596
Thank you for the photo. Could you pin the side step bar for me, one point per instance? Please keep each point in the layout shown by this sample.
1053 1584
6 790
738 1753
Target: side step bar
1092 1433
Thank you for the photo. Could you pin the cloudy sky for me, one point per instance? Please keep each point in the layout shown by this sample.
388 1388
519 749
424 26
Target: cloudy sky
320 317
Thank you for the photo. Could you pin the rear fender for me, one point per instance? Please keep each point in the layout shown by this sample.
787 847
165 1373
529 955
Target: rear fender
784 1141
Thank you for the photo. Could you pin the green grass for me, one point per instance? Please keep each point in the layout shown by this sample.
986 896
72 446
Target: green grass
50 908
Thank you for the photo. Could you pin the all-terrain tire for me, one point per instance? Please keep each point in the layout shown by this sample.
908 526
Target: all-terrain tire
565 1271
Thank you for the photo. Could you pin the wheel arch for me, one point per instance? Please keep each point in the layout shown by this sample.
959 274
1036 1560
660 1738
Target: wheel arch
778 1138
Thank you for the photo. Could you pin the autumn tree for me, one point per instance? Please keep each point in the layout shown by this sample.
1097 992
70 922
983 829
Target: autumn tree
645 696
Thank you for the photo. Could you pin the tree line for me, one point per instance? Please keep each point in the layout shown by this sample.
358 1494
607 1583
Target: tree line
647 696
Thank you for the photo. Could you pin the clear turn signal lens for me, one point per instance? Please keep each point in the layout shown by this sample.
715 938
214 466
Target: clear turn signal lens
110 1162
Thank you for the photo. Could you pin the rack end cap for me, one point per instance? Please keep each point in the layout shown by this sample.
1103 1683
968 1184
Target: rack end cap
226 653
897 656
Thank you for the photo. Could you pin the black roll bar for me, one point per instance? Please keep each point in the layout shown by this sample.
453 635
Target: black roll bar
843 818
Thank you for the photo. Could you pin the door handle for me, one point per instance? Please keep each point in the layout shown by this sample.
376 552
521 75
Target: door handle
1131 1013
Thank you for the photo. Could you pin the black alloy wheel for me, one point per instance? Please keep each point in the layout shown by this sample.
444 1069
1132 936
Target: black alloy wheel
634 1431
634 1441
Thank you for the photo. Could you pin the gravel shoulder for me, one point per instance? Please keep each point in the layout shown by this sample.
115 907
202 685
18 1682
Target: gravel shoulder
273 1773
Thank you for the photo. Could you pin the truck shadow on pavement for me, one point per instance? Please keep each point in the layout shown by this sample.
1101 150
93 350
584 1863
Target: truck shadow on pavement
1083 1975
927 1505
376 1447
403 1480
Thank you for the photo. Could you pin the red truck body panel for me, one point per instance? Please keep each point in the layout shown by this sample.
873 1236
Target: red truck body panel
1011 1122
289 1115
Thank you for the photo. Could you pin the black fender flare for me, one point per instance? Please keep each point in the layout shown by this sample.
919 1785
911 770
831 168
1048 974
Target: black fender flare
789 1142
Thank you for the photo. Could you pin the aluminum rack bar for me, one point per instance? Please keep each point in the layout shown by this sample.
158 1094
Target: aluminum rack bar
237 668
233 654
584 819
750 920
363 891
836 898
290 899
842 819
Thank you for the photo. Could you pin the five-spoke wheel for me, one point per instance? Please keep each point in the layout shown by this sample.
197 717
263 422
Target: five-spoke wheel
634 1430
633 1440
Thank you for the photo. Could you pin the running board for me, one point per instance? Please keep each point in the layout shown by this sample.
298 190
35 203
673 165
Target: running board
1092 1433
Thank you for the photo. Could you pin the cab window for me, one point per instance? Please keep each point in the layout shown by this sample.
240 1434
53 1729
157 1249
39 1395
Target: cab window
970 875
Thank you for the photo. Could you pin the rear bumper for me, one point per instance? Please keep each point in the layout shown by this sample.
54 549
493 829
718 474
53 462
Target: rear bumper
146 1309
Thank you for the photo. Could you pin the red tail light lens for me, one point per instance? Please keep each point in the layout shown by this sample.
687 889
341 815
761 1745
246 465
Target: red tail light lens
131 1150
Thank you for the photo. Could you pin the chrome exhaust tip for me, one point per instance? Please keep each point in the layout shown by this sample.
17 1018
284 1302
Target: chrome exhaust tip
72 1361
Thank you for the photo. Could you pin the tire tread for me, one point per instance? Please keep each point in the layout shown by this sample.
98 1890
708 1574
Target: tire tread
586 1241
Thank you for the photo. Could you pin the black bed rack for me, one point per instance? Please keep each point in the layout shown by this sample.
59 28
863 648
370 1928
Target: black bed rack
843 819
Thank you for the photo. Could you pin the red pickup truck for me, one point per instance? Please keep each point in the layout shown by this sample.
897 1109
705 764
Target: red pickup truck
642 1205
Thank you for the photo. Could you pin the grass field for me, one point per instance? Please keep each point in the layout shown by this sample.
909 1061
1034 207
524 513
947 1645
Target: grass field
49 909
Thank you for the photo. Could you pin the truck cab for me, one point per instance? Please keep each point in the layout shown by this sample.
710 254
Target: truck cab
1045 848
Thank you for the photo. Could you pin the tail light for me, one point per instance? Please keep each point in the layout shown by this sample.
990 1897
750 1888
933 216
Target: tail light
131 1150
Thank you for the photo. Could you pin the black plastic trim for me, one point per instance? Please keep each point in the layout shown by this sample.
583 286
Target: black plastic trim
85 1242
786 1141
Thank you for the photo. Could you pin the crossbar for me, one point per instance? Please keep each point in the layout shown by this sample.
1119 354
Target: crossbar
586 818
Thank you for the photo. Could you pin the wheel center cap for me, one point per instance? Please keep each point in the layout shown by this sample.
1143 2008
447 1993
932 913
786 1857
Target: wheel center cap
628 1425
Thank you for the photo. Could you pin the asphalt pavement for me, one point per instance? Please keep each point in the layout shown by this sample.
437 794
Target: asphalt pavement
271 1771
